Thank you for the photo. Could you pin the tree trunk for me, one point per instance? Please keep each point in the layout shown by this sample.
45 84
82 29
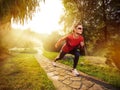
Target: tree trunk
4 31
105 21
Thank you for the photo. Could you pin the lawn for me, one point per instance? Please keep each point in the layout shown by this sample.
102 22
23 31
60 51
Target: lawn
22 72
104 72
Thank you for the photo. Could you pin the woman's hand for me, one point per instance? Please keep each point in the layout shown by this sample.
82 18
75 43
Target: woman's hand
82 44
56 45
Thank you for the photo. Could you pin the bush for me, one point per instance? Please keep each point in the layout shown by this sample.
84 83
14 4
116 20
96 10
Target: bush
114 51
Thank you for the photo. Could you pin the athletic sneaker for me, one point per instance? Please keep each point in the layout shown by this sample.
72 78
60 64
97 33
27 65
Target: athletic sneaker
54 64
75 72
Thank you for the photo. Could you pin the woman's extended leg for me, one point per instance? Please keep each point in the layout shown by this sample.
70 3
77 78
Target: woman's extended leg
60 56
76 58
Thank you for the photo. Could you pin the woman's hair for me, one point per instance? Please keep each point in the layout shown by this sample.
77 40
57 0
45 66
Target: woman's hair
75 25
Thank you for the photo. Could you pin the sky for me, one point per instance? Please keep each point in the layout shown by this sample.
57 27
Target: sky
46 20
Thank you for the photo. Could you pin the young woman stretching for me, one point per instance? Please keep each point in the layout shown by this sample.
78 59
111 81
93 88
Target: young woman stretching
74 41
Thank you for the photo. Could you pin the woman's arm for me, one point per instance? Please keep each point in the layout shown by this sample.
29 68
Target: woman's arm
59 41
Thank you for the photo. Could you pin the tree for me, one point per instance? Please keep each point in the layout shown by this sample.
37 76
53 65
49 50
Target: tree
19 11
114 51
49 42
100 18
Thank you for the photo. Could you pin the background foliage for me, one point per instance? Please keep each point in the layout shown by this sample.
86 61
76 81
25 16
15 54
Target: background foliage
18 11
101 22
100 19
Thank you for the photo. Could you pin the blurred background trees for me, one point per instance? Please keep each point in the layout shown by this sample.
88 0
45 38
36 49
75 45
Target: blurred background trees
50 40
100 19
18 11
101 22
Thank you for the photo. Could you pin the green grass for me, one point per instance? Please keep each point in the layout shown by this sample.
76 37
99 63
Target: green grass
22 72
105 73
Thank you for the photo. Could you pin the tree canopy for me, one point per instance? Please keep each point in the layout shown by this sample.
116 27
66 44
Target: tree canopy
19 10
100 18
101 23
95 14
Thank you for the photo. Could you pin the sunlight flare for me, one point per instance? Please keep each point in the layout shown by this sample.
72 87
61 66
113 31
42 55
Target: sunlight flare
46 20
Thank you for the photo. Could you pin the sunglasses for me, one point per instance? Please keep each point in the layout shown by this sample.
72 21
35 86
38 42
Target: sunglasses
79 28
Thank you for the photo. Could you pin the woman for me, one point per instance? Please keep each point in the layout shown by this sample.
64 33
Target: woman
73 41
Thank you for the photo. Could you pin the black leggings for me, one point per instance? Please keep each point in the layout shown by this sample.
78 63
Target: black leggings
73 52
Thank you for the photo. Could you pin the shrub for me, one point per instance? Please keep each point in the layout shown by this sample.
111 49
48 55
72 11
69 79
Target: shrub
114 51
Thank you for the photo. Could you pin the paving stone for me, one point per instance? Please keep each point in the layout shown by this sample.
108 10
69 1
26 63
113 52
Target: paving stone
76 78
87 83
74 89
49 66
61 78
57 69
47 71
70 73
55 77
61 86
56 73
66 88
67 76
58 84
44 66
83 87
75 84
67 81
62 71
50 69
96 87
62 74
50 74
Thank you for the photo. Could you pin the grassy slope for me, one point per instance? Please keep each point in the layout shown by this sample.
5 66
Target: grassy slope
108 74
24 73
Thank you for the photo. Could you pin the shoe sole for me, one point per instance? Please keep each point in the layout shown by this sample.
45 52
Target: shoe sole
76 74
53 65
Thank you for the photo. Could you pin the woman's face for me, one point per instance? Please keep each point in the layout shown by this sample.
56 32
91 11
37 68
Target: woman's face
79 29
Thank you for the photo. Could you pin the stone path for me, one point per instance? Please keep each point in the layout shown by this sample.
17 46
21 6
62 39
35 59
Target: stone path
63 79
